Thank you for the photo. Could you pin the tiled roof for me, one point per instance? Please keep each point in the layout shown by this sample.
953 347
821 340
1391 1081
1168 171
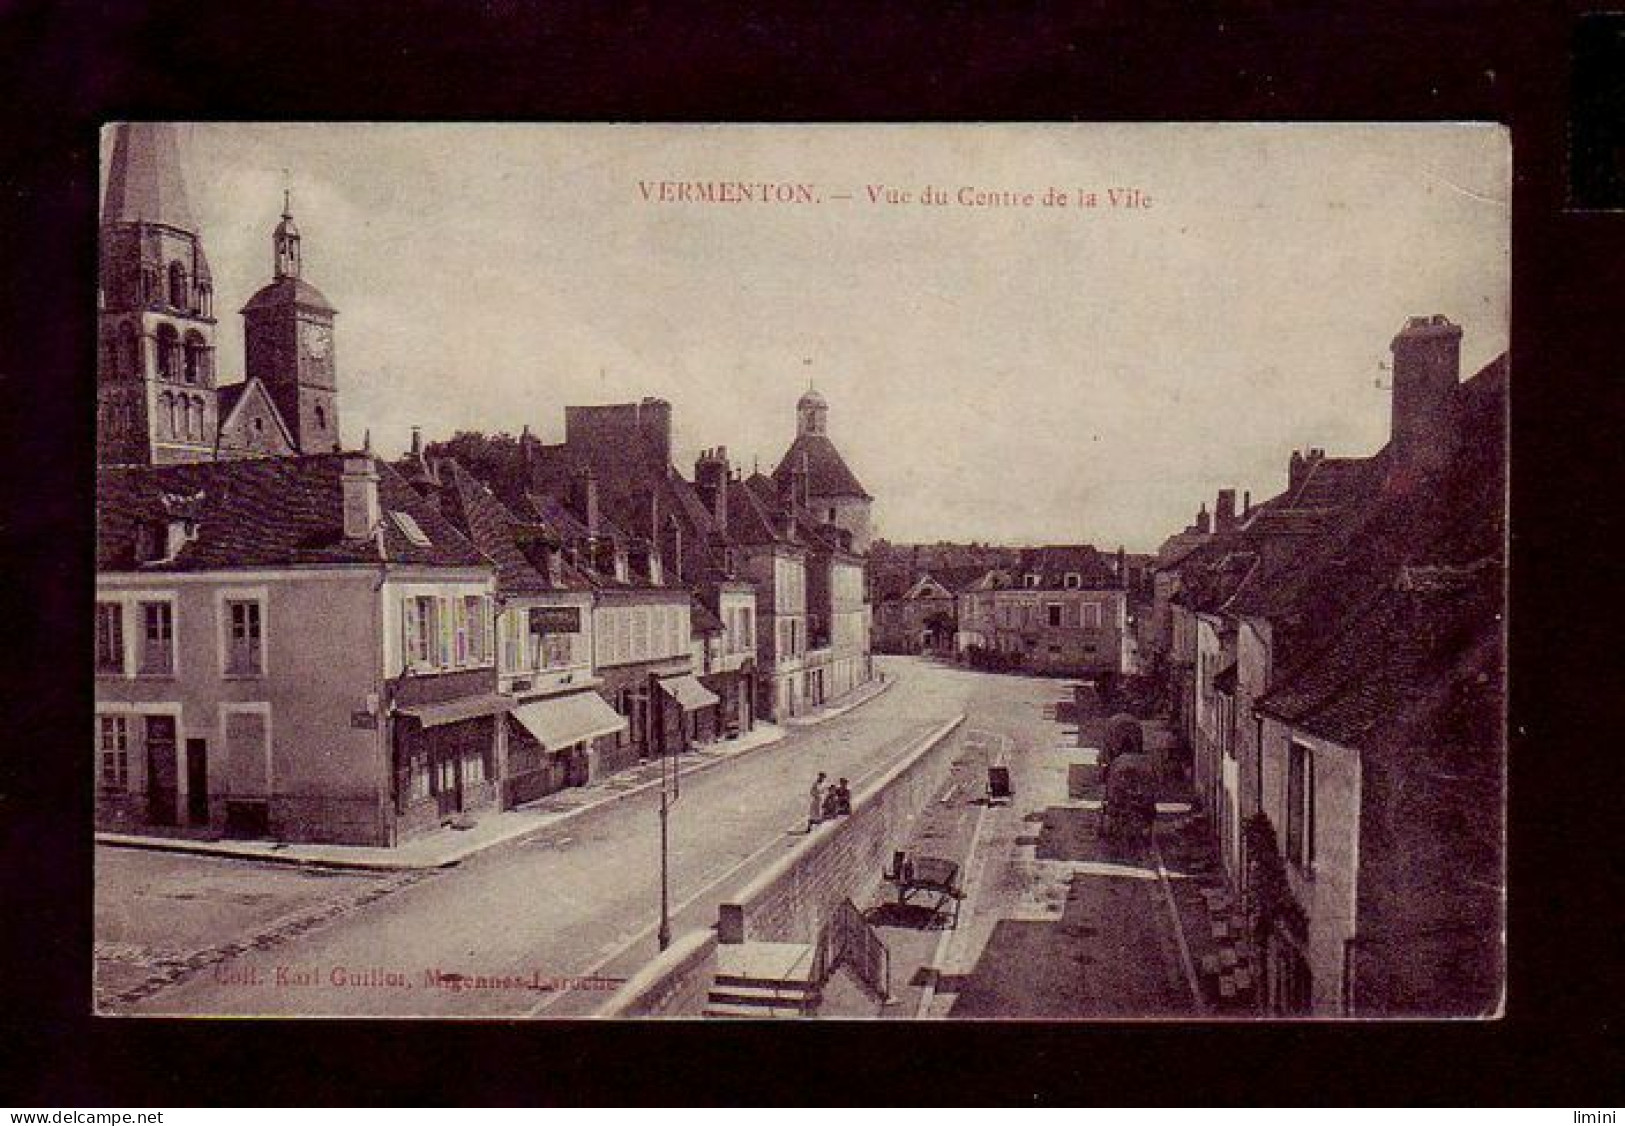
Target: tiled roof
827 472
266 512
1335 482
497 532
750 520
290 291
1054 562
1400 652
144 182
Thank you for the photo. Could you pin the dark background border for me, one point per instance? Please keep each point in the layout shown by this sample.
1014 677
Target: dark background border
72 66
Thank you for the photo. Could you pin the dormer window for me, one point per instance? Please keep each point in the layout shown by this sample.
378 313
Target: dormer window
1073 580
1033 581
409 528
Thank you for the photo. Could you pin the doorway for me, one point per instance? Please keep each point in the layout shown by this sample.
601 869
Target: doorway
197 781
161 769
448 778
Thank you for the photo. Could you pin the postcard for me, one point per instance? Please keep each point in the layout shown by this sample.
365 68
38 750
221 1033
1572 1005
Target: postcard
882 572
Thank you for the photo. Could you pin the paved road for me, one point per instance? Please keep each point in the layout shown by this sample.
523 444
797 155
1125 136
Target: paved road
578 901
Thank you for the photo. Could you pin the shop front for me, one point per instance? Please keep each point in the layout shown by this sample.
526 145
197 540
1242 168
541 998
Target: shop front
556 742
688 713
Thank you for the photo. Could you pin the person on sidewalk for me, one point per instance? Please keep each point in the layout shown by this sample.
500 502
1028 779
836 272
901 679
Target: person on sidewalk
815 812
843 798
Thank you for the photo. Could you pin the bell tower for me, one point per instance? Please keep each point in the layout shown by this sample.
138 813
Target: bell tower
156 390
288 343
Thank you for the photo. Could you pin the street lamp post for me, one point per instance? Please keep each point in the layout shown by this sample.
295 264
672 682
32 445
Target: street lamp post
664 936
668 797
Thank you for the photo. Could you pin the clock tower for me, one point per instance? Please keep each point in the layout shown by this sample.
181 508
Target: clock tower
288 340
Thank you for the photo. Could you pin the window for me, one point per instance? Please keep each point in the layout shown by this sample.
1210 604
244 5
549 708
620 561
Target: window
1033 581
1054 610
321 417
194 366
1073 580
409 528
747 629
419 634
1091 615
177 285
245 640
169 347
1300 806
474 607
110 637
459 629
115 752
157 639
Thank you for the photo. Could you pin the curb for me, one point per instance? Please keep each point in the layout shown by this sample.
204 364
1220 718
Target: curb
209 848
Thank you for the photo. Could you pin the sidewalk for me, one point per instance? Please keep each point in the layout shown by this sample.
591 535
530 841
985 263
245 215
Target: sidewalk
446 847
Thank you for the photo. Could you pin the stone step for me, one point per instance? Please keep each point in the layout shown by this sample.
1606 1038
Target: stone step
753 1012
762 993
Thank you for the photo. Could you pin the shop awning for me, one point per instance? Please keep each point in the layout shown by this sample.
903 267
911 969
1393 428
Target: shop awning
557 723
453 711
689 693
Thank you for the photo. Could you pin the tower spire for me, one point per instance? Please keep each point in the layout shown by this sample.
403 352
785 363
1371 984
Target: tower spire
285 241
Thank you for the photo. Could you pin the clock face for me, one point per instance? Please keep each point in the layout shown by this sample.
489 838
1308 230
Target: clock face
319 341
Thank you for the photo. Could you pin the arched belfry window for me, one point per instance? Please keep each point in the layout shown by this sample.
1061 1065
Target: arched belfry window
169 352
196 359
166 414
205 299
177 286
321 417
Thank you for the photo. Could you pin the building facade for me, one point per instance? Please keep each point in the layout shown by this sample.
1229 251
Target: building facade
295 648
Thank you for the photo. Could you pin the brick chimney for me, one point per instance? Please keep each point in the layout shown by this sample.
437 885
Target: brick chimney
711 482
359 484
584 498
1427 369
1299 468
1224 512
1204 523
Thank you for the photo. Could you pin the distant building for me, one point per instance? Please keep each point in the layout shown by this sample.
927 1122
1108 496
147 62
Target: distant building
832 493
1062 610
923 617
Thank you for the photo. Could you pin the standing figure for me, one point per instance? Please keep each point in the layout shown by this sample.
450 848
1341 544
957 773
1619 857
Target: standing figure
843 798
815 811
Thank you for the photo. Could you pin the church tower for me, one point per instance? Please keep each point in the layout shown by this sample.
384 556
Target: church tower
288 343
156 394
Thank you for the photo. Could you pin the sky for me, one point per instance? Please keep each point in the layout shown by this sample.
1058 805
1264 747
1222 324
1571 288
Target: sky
997 369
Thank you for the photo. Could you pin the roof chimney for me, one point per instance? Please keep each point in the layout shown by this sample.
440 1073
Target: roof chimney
1204 523
1224 512
359 483
1427 369
584 498
711 483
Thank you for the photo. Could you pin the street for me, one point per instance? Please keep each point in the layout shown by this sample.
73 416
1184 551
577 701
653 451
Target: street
550 924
